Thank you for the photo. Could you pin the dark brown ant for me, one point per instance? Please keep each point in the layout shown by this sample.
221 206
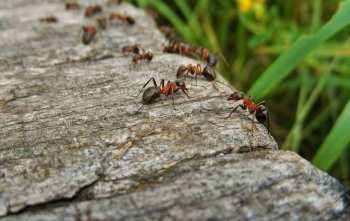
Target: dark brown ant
89 33
125 18
131 49
49 19
142 56
259 110
168 89
196 70
72 5
92 10
102 22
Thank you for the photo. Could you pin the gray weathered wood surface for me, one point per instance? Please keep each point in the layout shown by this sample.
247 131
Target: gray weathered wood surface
70 138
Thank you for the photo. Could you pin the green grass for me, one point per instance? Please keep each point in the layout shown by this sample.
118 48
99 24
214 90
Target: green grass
294 54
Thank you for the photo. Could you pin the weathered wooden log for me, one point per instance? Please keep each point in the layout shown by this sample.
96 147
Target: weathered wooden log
71 138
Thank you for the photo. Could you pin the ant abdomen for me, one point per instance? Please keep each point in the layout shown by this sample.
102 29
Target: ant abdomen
150 94
209 73
261 113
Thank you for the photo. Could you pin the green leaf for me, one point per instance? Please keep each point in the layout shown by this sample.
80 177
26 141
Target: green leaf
336 142
283 66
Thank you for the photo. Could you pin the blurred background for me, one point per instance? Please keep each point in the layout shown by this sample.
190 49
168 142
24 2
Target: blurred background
308 108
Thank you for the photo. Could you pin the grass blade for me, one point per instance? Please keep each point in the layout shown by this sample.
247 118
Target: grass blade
281 68
173 18
335 143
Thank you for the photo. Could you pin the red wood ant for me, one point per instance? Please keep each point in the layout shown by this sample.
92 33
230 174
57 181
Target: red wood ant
72 5
125 18
142 56
259 110
131 49
178 47
49 19
92 10
168 89
196 70
89 33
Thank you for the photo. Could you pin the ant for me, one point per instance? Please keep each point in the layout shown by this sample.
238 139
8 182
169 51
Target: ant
178 47
204 54
142 56
196 70
154 92
125 18
131 49
92 10
49 19
72 5
102 22
259 110
89 34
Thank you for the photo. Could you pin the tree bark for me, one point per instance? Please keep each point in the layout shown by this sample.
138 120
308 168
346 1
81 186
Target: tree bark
71 138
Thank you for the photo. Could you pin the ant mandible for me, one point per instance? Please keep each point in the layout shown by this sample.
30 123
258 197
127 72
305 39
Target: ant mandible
196 70
168 89
259 110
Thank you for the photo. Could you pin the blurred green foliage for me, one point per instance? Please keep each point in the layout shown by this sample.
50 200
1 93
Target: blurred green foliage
293 53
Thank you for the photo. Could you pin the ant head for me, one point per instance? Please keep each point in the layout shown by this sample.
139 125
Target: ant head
261 113
181 84
209 73
237 95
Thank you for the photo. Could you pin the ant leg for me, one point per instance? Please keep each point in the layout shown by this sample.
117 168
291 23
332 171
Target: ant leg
161 83
184 91
140 108
172 94
234 109
151 79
